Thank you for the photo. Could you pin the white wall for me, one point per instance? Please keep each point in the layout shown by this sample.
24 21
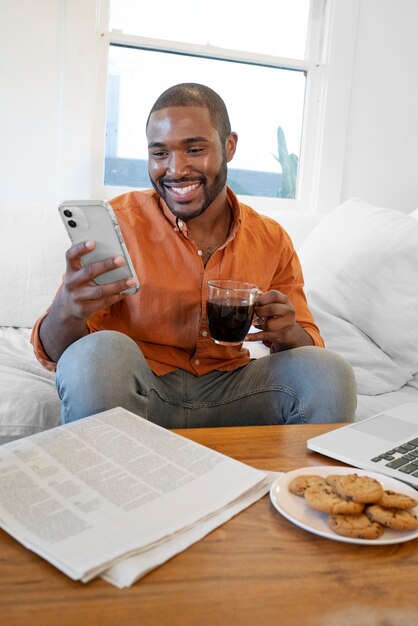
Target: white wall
381 163
47 103
46 107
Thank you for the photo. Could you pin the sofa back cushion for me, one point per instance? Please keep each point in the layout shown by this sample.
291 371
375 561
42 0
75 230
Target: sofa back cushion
361 272
32 261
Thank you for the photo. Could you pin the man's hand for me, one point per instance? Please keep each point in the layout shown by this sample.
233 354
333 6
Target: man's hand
80 296
78 299
276 319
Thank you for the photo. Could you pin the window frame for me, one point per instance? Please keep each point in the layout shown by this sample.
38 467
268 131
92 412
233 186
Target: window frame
328 68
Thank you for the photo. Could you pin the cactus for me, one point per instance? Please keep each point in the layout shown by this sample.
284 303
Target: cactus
289 165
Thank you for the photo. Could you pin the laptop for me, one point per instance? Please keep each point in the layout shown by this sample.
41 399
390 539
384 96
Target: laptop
385 443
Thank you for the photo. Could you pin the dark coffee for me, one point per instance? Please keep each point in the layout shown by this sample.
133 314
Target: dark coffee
229 321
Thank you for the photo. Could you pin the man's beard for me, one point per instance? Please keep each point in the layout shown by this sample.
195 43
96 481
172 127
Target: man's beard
209 193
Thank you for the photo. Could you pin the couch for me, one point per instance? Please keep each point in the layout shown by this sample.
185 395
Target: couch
360 264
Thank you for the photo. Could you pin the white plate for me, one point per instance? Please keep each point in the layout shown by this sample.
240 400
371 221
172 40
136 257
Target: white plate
295 509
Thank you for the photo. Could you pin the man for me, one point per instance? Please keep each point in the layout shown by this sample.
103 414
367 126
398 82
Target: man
151 352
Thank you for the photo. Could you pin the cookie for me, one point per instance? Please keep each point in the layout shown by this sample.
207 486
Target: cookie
299 484
332 479
396 519
392 499
323 498
357 526
359 488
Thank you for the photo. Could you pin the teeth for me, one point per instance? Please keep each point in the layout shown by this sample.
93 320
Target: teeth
183 190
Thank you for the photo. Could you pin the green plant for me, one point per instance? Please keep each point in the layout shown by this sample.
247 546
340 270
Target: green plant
289 165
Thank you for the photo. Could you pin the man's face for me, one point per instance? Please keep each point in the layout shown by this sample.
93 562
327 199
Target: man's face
186 160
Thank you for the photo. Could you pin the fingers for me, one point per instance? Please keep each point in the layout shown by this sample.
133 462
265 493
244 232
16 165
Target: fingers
94 269
79 273
92 291
74 254
104 292
269 298
83 301
274 317
90 271
259 336
272 304
81 294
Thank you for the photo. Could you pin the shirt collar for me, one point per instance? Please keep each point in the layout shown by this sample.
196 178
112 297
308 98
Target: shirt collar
236 212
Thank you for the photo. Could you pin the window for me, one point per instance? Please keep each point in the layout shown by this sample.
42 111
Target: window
264 59
253 97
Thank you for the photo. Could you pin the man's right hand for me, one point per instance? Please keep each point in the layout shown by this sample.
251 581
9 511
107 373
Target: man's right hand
80 296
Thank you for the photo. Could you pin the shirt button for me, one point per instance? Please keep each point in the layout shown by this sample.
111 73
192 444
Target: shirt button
196 362
204 333
200 253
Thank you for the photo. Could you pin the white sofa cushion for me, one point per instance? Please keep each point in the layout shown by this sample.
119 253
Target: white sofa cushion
29 401
32 261
361 272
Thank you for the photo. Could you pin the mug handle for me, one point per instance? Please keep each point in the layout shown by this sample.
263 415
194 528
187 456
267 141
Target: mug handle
258 321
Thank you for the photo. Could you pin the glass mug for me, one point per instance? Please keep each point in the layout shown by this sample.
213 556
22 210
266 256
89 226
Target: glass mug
230 310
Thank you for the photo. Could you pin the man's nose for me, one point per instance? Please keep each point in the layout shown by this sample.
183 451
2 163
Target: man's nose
178 165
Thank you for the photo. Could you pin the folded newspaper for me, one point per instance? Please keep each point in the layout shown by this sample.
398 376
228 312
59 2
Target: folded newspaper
114 495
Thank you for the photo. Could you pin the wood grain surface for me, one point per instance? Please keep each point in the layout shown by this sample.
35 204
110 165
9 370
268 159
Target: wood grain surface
257 569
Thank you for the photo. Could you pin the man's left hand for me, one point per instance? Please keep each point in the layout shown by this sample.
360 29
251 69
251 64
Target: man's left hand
276 319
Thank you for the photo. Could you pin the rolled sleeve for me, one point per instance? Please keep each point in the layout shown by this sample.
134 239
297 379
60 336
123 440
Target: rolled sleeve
38 348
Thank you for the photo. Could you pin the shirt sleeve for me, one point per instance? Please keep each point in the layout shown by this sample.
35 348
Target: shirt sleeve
289 280
38 348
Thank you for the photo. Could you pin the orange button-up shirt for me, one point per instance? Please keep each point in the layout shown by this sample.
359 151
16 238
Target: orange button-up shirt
167 316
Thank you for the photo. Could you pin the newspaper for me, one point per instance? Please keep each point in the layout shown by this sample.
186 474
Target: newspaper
126 572
115 495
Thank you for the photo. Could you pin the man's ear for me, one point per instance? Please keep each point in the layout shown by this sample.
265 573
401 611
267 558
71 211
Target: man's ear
230 146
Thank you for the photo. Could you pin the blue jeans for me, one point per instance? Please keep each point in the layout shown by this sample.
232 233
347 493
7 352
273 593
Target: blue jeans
106 369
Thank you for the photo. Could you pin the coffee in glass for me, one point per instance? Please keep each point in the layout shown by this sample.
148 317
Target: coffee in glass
230 309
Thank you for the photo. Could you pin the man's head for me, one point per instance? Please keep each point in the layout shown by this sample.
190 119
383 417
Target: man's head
196 95
189 144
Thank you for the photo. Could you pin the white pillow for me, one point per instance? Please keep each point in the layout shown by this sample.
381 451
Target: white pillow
29 401
361 271
32 261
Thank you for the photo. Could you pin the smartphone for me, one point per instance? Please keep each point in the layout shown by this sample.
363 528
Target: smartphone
95 220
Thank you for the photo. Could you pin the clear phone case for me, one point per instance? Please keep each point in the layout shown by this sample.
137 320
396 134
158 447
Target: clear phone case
95 220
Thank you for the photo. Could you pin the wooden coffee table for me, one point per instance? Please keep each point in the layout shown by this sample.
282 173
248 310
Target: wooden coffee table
257 569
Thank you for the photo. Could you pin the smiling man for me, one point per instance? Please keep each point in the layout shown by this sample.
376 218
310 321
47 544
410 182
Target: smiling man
187 159
187 170
151 352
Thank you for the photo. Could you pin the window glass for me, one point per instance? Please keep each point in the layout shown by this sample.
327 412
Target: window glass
259 99
273 27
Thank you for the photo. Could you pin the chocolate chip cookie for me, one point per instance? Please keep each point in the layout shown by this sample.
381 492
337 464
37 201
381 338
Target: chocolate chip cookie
396 519
323 498
357 526
392 499
363 489
299 484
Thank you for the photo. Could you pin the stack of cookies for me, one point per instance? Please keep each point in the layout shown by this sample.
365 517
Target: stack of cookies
357 506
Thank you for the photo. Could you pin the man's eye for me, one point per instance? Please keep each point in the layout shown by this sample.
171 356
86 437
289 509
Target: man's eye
195 150
159 155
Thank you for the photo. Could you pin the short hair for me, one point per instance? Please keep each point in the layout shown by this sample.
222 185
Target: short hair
196 95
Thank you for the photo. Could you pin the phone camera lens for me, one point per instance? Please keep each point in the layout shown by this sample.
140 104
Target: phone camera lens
68 213
72 223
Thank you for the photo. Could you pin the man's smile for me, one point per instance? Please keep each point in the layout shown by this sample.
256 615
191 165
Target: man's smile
183 192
